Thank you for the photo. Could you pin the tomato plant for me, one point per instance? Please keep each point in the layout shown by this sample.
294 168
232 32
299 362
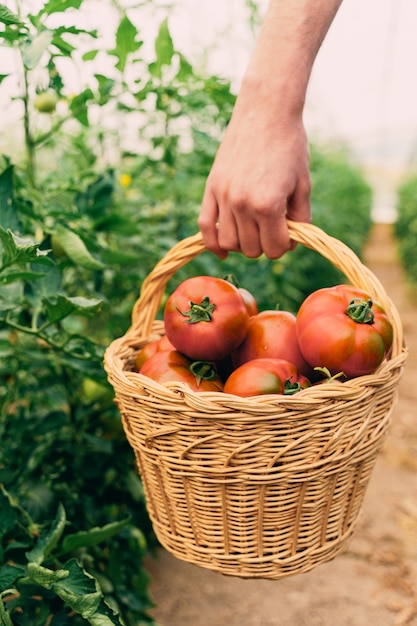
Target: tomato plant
171 366
265 375
271 334
342 329
206 318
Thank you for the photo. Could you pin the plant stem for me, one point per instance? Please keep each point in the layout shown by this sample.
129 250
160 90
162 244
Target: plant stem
5 615
38 332
29 143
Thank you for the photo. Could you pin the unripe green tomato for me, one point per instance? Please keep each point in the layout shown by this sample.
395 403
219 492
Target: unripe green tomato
94 391
46 101
57 248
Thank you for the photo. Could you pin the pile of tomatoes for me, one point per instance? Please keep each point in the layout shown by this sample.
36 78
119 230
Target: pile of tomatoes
217 340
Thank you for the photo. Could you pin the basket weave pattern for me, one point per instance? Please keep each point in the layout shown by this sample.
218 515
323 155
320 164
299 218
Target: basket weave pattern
267 486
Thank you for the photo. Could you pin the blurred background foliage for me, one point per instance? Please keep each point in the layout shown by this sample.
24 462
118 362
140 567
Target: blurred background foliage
95 189
406 227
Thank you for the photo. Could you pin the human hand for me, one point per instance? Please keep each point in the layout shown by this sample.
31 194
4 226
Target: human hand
259 178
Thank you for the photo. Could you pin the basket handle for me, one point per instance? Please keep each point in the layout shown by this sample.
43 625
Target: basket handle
339 254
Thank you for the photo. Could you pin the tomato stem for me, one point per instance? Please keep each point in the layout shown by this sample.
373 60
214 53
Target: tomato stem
203 370
291 388
360 311
202 312
230 278
327 374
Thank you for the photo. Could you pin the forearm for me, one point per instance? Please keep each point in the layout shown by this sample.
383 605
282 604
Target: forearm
260 176
289 40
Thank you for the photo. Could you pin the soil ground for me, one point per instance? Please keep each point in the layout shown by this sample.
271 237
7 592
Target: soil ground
374 582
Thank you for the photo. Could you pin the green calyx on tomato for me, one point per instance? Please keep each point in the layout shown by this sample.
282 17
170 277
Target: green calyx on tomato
203 370
202 312
291 387
360 311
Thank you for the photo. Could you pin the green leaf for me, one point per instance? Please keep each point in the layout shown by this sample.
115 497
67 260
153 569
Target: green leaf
48 540
43 576
104 617
59 6
9 574
78 106
8 513
78 589
185 68
60 306
120 257
93 536
105 87
98 195
76 249
126 42
8 17
11 275
10 296
33 51
164 48
90 55
8 213
18 250
63 46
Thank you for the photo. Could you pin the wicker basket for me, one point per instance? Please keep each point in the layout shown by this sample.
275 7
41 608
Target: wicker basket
262 487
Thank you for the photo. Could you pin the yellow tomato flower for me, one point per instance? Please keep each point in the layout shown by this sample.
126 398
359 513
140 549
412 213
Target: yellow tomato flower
125 180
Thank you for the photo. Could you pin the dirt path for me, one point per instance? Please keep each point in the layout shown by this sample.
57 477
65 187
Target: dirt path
374 583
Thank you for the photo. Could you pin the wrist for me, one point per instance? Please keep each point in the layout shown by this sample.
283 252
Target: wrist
274 93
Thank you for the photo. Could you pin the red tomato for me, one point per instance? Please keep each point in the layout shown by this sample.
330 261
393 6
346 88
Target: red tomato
172 366
249 300
342 329
151 348
263 376
248 297
205 318
271 334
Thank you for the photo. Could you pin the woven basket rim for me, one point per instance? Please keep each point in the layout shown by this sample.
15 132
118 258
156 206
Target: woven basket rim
348 390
